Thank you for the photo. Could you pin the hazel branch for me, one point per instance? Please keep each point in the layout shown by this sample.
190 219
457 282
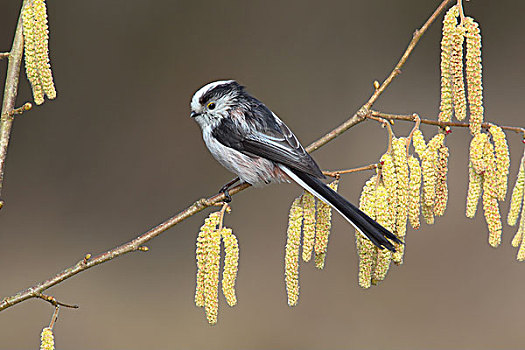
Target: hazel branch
415 39
198 206
360 115
413 118
4 55
10 92
337 173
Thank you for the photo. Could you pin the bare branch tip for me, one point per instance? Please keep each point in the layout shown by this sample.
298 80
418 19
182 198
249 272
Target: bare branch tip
53 301
337 173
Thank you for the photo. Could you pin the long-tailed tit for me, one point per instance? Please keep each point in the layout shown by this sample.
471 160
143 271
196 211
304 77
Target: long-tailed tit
252 142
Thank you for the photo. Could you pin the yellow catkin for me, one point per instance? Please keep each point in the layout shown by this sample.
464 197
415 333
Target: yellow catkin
458 88
521 251
436 142
401 166
308 225
203 242
428 167
201 268
384 256
493 219
477 148
47 340
211 279
365 248
473 73
447 41
518 237
441 182
477 168
501 150
42 48
291 260
490 202
322 228
319 260
389 177
30 55
414 195
475 184
231 265
427 212
490 175
419 142
517 195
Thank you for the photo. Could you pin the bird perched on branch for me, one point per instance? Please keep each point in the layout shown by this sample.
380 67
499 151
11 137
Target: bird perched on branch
251 141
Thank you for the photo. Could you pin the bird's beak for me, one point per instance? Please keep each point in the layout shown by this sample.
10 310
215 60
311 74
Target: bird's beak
194 114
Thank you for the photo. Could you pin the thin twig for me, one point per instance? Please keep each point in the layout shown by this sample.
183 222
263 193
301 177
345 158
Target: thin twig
461 12
4 55
417 120
54 302
415 39
412 118
225 209
358 117
390 135
17 111
54 318
10 92
337 173
385 123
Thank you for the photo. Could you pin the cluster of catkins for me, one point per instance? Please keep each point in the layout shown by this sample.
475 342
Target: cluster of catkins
488 173
489 155
36 50
397 195
453 98
310 219
208 263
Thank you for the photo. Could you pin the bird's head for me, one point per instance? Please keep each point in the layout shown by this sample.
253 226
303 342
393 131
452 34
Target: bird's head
214 101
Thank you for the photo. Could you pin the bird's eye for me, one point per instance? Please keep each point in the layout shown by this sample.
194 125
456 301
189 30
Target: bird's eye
211 105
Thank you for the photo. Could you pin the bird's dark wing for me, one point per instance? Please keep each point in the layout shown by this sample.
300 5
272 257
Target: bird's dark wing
264 135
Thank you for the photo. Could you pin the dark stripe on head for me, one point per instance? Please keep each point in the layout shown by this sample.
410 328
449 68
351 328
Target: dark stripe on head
221 90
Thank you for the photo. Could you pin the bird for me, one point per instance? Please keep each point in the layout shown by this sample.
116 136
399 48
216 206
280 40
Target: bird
249 140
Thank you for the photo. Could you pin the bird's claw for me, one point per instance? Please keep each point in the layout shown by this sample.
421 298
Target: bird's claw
225 190
227 197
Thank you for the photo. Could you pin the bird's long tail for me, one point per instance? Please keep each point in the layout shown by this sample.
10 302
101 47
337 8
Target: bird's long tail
376 233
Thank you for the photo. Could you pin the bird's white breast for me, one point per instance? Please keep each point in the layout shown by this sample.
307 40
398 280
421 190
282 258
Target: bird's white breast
256 171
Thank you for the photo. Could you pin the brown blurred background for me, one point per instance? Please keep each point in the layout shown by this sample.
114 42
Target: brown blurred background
117 153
